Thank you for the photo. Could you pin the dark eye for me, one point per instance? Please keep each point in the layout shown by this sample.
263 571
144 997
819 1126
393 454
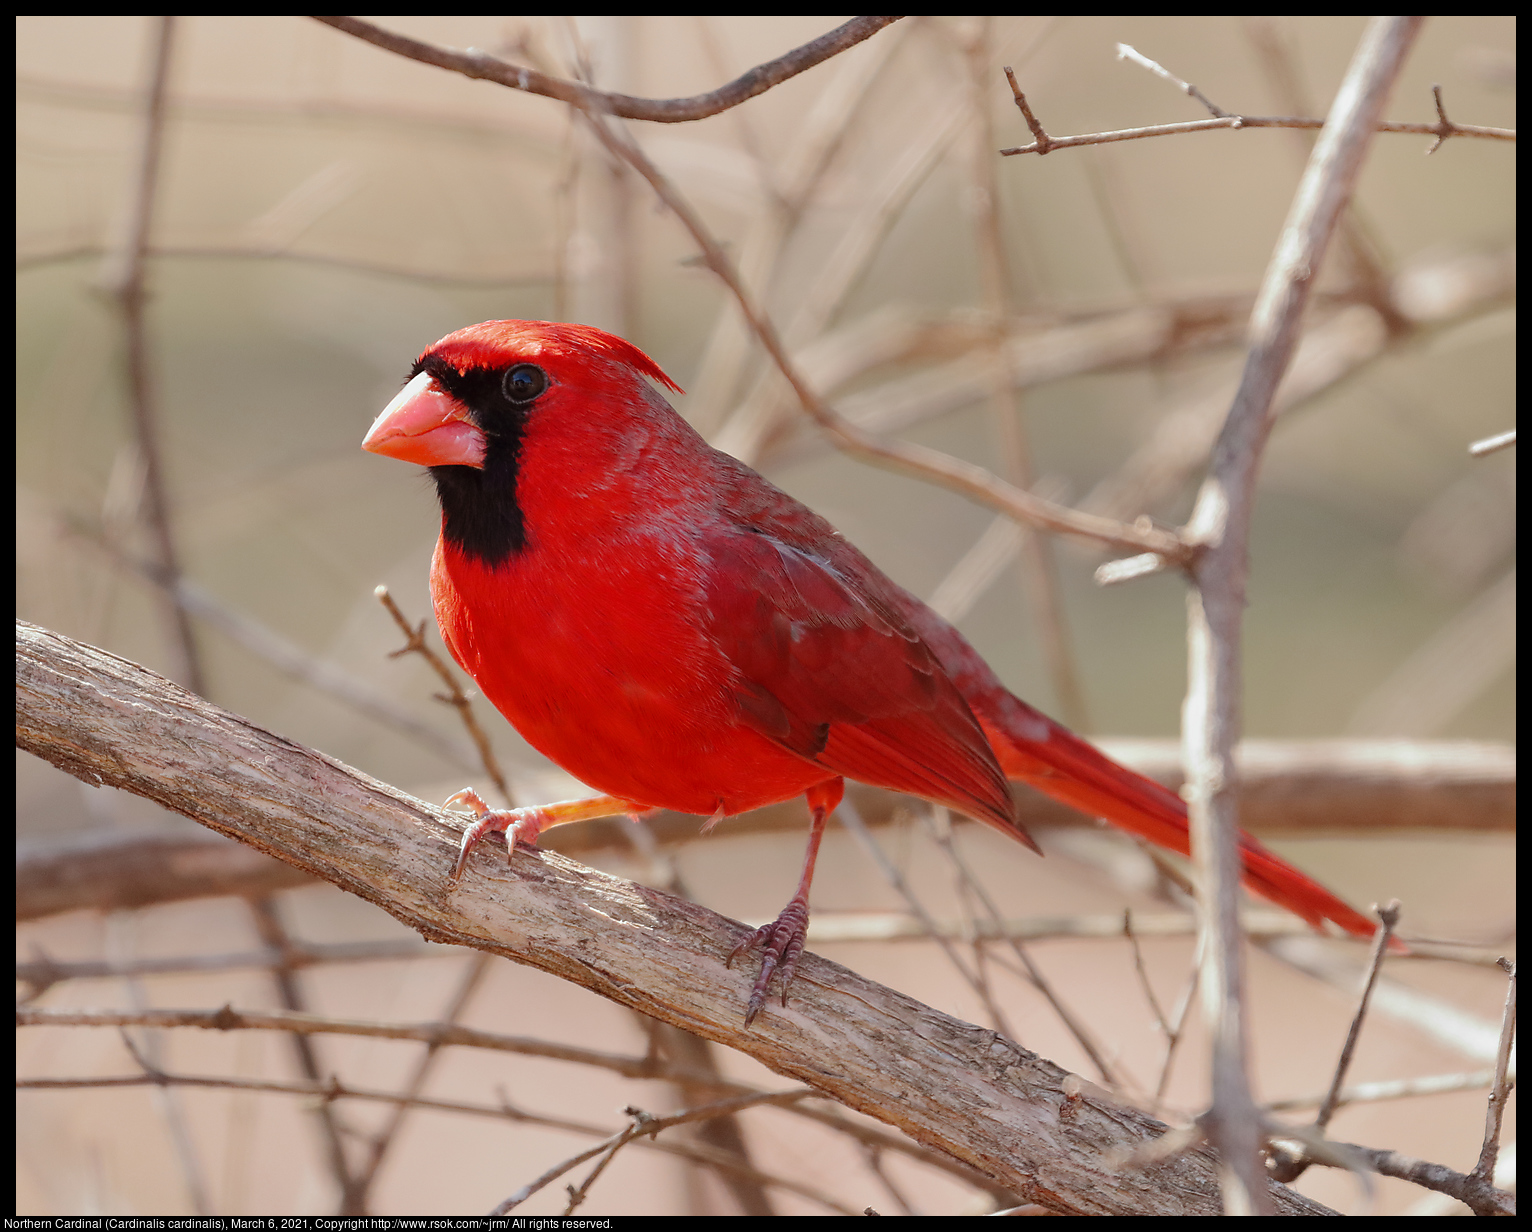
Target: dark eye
524 382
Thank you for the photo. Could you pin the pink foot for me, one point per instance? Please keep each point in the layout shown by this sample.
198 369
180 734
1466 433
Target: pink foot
521 825
780 943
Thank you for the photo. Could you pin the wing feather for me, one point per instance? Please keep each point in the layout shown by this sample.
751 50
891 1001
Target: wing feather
828 670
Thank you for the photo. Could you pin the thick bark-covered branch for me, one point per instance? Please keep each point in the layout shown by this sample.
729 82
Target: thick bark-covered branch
953 1086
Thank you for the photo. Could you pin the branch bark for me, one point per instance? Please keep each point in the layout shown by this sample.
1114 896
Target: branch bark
958 1088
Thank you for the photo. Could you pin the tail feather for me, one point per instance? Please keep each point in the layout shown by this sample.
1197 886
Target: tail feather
1033 748
1037 751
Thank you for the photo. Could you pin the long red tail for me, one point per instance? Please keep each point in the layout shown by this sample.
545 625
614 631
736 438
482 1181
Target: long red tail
1033 748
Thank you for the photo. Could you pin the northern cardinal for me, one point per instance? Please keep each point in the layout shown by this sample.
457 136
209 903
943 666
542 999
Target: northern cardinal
678 633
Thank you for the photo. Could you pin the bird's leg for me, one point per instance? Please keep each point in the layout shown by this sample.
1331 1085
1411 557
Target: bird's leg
523 825
781 941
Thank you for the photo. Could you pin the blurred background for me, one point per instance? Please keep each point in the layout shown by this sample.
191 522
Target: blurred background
322 211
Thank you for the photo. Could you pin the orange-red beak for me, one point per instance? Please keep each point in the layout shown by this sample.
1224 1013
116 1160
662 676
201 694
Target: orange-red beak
428 426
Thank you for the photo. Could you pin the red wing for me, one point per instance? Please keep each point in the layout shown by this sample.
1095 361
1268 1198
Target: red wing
1029 745
841 679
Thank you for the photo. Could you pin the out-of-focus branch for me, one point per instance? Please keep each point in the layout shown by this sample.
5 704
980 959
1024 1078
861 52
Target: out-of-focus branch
970 480
1493 444
415 643
701 1080
122 277
283 656
273 933
1220 525
1447 671
332 1089
795 179
1038 573
1433 293
414 1087
477 64
1287 787
231 252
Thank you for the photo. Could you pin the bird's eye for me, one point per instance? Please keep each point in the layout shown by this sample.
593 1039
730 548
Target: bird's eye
524 382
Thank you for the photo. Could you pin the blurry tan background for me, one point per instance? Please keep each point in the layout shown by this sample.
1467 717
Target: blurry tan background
326 210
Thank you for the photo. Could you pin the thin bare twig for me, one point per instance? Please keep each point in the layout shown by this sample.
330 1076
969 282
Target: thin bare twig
1243 121
479 65
1178 1019
646 1126
1125 52
1484 1170
1288 1167
1389 916
1042 143
1468 1188
1220 524
851 818
1143 975
1032 972
577 1194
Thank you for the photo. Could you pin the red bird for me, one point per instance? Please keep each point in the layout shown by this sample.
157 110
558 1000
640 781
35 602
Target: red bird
678 633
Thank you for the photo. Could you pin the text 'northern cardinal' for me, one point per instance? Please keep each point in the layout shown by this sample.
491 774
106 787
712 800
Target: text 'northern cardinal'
678 633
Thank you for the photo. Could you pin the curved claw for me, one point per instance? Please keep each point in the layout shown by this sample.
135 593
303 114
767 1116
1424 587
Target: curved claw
518 825
780 943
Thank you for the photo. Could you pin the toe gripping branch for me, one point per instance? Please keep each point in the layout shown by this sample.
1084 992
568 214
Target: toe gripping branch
523 825
781 941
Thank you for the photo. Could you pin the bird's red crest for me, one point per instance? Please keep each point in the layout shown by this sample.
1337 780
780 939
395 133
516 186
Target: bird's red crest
490 343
